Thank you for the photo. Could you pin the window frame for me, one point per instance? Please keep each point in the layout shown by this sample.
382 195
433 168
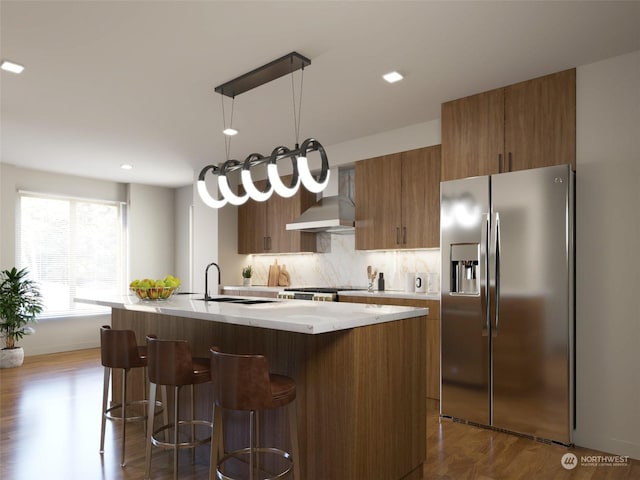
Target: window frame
123 240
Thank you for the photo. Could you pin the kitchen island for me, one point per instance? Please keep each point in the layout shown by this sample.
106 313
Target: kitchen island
359 369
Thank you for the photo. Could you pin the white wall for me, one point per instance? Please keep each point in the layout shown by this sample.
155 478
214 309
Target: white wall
407 138
607 261
151 225
205 241
183 237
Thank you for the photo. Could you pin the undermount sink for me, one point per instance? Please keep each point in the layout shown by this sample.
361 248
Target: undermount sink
253 302
239 300
220 299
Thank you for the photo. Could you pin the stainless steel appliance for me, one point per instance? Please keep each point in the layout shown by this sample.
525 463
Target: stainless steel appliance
507 301
318 294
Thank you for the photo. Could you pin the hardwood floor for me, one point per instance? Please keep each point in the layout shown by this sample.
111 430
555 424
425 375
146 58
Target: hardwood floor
50 429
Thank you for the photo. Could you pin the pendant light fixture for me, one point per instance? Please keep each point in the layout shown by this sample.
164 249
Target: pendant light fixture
298 156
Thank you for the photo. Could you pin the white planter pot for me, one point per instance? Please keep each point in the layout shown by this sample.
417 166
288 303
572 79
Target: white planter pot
11 357
246 282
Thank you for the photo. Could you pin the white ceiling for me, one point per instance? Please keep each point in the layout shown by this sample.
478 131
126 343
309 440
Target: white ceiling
133 82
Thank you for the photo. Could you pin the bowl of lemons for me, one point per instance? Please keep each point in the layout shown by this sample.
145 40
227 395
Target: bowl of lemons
154 290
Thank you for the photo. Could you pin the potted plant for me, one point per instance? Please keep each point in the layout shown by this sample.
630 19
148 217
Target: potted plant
20 303
247 272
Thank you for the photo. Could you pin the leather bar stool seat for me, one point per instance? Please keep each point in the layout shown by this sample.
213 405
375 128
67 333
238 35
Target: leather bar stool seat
243 382
170 363
119 349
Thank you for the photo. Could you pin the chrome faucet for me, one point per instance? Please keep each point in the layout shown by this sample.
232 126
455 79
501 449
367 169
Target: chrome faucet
206 279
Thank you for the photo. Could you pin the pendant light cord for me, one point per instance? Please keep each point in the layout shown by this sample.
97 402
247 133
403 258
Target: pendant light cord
297 115
227 138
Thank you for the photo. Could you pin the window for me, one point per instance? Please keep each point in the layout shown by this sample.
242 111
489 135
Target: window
72 248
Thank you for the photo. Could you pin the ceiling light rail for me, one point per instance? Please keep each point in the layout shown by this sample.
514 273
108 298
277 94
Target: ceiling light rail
278 68
301 172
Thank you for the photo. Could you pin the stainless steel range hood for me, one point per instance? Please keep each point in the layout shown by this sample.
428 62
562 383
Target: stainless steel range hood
334 213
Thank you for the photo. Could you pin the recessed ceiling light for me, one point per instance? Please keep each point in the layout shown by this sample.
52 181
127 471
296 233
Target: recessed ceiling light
392 77
230 131
126 166
11 67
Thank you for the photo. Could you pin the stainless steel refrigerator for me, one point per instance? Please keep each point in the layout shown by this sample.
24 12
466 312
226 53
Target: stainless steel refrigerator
507 304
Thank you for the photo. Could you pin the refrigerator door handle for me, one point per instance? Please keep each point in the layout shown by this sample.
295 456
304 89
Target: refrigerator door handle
484 272
497 270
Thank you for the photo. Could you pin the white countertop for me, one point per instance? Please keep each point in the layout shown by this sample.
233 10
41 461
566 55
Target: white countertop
301 316
392 294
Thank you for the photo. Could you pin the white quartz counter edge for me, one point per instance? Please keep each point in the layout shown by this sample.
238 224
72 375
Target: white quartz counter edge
392 294
299 316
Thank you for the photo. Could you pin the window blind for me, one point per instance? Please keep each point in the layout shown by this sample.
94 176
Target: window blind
73 248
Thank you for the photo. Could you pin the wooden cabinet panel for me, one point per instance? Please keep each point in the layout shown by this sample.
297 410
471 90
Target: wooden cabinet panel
262 225
282 211
526 125
472 135
378 202
432 334
540 122
421 198
433 358
252 225
398 200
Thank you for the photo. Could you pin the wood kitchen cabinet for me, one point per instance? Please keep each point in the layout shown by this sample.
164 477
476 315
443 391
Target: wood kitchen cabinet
526 125
398 200
433 333
262 225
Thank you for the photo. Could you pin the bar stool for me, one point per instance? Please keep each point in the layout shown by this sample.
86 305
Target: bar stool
171 364
243 382
119 349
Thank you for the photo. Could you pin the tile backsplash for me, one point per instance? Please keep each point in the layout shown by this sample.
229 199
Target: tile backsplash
340 264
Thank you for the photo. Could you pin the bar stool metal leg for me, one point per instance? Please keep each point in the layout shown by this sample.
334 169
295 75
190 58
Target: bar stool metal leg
217 442
176 427
105 395
124 412
148 450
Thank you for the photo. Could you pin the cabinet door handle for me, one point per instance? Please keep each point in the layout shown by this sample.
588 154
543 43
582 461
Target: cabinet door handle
499 163
509 161
397 235
268 243
404 235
